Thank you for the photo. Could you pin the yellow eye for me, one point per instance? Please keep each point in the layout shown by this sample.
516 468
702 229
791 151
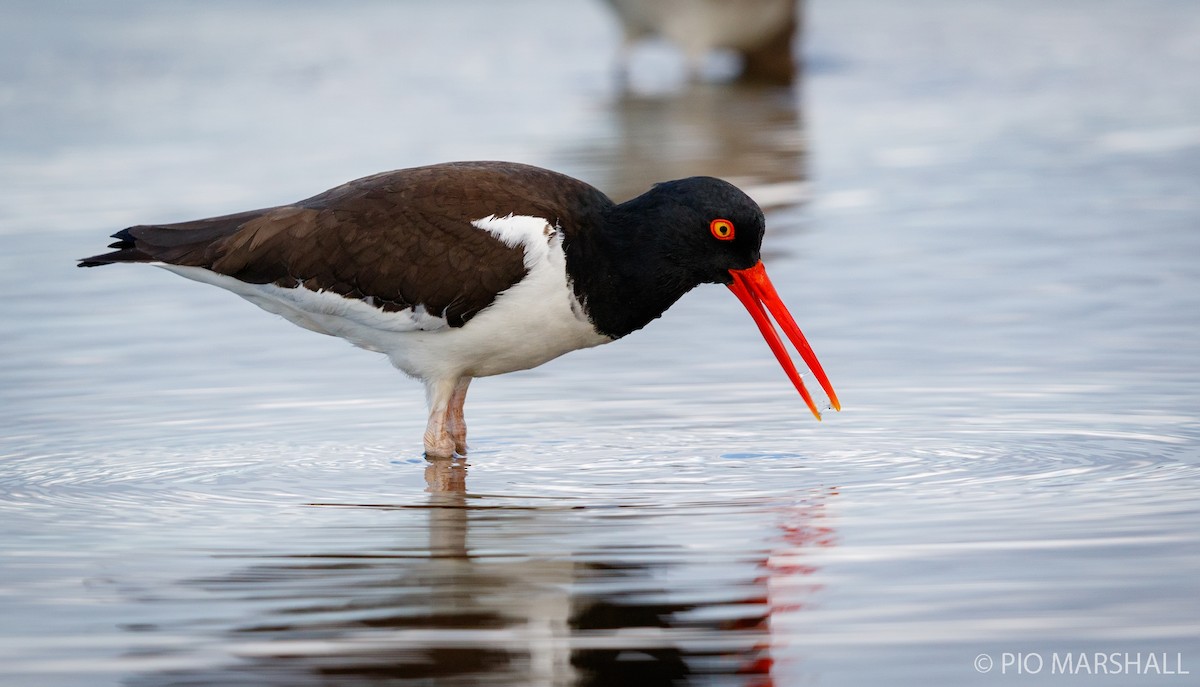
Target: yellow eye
722 229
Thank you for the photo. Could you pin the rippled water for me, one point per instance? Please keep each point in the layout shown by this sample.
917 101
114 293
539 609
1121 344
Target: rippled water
983 214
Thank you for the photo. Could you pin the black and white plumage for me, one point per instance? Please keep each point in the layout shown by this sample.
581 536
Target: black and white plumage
470 269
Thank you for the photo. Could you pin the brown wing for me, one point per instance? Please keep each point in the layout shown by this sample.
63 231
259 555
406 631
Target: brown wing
400 238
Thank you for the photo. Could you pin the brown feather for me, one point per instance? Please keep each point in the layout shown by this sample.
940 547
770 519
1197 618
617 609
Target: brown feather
401 238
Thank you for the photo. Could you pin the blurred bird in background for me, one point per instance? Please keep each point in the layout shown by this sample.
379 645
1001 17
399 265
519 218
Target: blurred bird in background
760 32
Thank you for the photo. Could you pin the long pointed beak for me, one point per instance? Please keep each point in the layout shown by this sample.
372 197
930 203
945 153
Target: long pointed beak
755 291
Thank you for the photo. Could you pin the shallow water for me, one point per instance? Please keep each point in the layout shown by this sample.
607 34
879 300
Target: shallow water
983 215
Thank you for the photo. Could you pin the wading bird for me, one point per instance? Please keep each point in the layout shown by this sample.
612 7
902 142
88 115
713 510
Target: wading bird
470 269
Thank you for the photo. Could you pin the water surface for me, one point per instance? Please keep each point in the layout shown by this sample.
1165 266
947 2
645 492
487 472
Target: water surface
983 215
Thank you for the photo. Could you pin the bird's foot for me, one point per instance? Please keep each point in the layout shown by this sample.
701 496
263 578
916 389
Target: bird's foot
439 446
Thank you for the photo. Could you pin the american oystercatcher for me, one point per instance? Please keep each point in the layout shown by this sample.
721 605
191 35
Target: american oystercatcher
470 269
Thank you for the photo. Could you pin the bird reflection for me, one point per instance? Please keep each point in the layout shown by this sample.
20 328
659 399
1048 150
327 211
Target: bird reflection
446 481
500 594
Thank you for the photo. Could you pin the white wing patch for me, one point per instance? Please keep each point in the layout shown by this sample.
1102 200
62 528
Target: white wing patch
532 234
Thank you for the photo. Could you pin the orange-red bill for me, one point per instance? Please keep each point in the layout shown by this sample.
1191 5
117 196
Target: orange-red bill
758 295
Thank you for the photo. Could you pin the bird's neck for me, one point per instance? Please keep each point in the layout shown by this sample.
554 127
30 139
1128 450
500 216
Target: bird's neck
622 273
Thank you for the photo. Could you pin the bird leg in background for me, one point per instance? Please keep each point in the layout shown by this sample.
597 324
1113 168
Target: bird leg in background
772 62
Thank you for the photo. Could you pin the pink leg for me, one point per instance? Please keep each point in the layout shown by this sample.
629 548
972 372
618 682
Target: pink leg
456 422
446 432
438 442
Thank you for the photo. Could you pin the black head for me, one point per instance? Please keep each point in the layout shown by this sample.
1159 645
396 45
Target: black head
653 249
700 226
648 252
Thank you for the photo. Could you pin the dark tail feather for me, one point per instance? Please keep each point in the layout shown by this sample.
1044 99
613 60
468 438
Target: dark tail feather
126 252
184 243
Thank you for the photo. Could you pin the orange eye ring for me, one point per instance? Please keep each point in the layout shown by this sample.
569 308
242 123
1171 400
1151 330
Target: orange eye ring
722 229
